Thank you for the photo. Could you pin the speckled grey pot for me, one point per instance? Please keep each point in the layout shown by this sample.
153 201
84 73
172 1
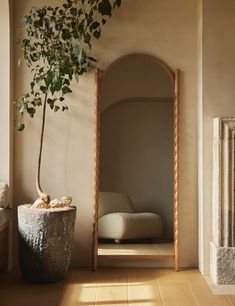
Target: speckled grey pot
45 242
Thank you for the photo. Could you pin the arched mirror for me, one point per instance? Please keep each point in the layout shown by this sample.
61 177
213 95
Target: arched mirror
136 194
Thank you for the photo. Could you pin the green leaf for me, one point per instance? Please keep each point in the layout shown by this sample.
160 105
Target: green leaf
32 84
73 11
31 111
38 101
21 127
37 24
94 25
57 82
118 3
105 8
64 107
92 59
66 89
43 89
27 20
81 55
51 102
87 38
47 81
58 26
33 57
66 82
25 42
56 108
52 89
66 34
96 34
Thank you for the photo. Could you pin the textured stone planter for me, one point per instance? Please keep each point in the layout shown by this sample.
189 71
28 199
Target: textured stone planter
45 242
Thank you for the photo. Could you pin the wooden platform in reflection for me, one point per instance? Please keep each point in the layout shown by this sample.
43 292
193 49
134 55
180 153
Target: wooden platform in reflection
140 249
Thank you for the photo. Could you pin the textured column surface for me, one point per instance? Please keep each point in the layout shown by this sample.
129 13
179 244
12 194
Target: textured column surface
45 242
223 202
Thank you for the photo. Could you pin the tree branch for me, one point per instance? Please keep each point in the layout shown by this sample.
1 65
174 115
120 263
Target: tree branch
42 195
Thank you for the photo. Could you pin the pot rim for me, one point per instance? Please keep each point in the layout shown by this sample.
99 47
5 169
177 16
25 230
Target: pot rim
53 210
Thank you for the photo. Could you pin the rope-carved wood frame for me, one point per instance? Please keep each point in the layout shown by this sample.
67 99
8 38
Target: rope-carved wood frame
175 77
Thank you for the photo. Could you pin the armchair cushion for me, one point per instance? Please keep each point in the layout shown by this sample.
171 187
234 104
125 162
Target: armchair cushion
113 202
117 219
130 226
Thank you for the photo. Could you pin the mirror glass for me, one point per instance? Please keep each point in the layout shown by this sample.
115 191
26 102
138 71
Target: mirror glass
136 177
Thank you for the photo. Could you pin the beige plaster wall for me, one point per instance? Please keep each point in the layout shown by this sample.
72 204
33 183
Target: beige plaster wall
136 76
6 107
5 93
218 97
167 29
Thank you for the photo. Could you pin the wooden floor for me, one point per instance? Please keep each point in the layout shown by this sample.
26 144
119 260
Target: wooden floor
140 249
114 287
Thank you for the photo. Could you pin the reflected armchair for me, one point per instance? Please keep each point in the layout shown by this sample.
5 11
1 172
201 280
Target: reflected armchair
117 219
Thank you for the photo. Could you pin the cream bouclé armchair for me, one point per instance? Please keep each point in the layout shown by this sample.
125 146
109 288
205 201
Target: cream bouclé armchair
117 219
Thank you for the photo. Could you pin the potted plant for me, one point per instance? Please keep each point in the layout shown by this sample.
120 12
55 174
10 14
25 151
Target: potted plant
57 49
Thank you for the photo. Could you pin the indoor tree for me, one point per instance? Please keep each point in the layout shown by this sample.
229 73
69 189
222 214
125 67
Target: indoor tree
57 47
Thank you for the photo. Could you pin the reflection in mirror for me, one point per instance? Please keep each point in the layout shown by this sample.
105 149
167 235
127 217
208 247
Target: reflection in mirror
136 180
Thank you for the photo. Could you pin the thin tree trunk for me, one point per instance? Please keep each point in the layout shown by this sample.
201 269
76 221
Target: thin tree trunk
41 194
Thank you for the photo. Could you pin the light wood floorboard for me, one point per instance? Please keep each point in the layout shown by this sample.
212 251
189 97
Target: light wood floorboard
202 294
110 286
179 294
142 288
231 299
81 289
174 283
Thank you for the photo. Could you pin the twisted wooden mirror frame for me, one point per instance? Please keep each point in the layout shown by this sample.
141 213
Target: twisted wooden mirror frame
175 77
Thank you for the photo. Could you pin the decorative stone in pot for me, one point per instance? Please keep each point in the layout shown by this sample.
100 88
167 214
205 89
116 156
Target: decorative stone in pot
45 242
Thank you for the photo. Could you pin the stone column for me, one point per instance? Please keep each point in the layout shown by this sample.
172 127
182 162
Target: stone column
223 202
